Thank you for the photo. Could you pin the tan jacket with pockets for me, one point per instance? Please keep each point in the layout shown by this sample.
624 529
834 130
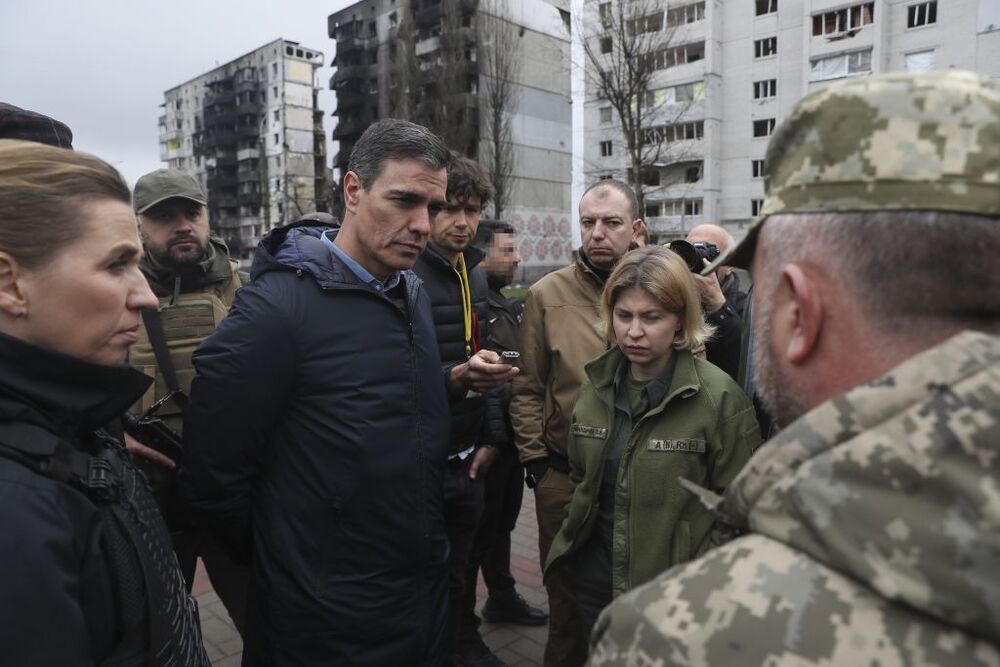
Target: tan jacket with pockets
561 331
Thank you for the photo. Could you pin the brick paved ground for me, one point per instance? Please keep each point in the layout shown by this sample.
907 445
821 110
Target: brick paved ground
516 645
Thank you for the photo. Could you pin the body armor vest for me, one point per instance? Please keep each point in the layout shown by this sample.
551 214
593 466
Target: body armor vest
188 319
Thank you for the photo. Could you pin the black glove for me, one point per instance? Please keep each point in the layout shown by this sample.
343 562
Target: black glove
535 469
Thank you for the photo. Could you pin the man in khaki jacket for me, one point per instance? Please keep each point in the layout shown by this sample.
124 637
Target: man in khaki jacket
561 332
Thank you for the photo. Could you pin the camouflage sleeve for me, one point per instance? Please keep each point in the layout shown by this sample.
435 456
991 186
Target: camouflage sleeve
757 601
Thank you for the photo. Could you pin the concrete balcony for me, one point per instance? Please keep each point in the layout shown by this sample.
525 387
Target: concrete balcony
251 131
349 128
428 15
349 97
854 40
226 200
347 73
217 181
247 154
247 176
676 225
226 159
220 96
425 46
212 140
249 198
219 117
171 134
349 45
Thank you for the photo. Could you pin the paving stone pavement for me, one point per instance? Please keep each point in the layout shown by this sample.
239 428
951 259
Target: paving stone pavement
517 646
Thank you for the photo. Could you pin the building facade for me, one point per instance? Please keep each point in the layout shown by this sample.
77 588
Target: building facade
251 132
734 69
425 60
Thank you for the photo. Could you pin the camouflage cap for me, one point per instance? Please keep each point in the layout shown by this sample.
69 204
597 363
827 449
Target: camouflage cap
902 141
163 184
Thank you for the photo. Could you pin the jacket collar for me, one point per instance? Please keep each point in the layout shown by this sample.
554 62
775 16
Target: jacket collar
685 382
586 271
299 247
214 267
473 256
893 483
496 299
60 392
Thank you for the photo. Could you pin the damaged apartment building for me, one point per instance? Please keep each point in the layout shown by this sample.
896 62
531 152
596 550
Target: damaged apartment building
727 72
251 132
435 62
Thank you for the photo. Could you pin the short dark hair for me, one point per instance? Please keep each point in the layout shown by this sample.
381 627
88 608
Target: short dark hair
620 186
466 179
905 268
489 228
395 139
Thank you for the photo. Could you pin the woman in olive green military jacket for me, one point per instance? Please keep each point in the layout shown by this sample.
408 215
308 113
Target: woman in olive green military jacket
649 413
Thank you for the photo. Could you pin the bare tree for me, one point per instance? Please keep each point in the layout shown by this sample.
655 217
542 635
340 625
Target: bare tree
437 89
403 100
625 43
499 59
455 80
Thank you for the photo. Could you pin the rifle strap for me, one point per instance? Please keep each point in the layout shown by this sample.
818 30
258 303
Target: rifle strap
154 328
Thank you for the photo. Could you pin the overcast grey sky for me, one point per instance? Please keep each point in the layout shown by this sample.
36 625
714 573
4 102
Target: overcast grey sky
101 66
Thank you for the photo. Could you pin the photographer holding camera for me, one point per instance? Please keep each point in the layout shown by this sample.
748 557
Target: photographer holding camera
723 297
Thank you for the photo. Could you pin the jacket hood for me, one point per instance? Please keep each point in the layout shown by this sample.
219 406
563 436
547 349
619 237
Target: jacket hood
896 484
298 247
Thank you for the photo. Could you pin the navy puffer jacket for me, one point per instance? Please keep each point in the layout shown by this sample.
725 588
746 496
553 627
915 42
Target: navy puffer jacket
476 419
317 436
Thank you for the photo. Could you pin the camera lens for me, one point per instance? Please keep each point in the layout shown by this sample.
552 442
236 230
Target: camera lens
688 253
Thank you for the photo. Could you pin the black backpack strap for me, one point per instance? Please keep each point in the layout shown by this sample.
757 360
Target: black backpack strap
154 329
138 544
43 452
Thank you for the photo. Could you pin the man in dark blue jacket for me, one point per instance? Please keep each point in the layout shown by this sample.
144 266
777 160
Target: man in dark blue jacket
318 424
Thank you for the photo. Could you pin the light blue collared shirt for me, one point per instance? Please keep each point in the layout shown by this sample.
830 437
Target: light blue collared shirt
360 271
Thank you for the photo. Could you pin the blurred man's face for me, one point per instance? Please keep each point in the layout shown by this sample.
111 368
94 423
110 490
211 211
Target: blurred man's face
502 260
607 226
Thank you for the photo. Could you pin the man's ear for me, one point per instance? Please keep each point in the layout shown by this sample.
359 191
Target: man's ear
352 191
12 301
637 226
805 313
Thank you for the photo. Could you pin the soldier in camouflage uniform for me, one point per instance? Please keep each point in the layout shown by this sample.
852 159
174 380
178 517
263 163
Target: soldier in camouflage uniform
872 522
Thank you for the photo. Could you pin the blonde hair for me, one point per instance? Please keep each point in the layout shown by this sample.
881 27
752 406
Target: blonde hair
662 274
42 192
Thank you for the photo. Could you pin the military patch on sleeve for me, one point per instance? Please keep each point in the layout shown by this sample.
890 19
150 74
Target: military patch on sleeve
589 431
685 445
